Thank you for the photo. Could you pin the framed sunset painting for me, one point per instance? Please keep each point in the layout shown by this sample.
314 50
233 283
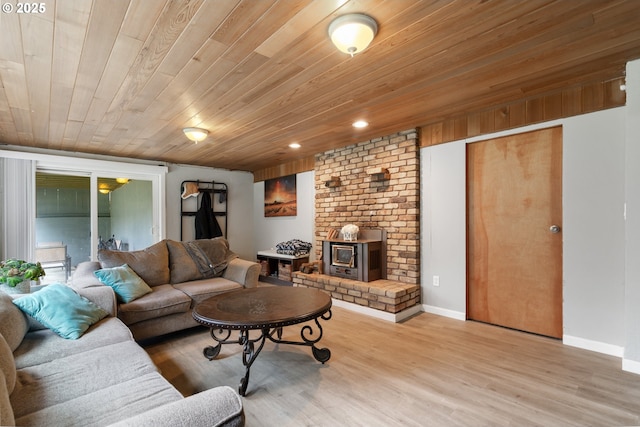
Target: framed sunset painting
280 197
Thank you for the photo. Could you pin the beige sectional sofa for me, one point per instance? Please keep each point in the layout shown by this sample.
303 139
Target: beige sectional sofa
102 378
180 274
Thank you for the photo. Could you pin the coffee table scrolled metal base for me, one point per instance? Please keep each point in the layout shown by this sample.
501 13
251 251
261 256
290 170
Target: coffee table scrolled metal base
267 310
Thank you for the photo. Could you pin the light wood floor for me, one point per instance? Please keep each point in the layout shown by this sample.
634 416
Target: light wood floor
429 370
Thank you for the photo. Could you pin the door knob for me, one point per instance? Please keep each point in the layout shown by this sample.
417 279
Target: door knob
554 229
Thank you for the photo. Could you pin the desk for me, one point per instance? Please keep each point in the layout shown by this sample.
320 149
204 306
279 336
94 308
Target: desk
266 309
277 268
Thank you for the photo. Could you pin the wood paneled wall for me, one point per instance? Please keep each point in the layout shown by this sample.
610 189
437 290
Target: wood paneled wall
301 165
566 103
563 103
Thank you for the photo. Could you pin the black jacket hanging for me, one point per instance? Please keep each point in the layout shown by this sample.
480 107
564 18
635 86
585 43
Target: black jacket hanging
207 226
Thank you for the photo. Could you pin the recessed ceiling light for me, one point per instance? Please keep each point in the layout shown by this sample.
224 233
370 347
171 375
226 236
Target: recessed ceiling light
294 145
360 124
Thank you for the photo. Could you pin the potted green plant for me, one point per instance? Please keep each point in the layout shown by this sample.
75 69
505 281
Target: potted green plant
16 275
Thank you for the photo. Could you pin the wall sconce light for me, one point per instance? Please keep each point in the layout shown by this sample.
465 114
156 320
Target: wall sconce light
352 33
195 134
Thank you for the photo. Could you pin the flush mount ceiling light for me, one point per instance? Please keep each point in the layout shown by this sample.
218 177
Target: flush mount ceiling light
360 124
104 188
352 33
294 145
195 134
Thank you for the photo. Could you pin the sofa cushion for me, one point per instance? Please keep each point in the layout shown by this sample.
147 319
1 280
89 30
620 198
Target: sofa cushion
151 264
217 250
67 378
127 285
198 259
43 346
199 290
108 405
7 365
13 322
62 310
182 267
6 411
162 301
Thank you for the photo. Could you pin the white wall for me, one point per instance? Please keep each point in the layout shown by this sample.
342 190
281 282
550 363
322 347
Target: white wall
239 204
593 228
443 229
631 361
273 230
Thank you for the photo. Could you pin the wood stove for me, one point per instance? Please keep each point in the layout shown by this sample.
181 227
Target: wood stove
363 260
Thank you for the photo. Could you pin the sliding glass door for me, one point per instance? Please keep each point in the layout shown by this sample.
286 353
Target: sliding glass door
72 206
63 223
125 213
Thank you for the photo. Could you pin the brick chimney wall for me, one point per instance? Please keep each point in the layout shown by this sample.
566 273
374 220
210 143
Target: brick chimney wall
393 202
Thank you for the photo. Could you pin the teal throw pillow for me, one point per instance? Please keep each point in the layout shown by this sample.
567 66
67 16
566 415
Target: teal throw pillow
61 309
127 285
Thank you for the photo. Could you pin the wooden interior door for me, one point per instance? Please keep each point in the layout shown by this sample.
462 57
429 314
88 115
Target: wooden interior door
514 198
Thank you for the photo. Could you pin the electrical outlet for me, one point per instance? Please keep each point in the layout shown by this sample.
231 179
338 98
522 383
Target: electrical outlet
436 280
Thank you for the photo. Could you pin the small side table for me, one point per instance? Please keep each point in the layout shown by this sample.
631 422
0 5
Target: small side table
277 268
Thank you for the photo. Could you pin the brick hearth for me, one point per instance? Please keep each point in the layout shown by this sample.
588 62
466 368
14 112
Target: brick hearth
386 295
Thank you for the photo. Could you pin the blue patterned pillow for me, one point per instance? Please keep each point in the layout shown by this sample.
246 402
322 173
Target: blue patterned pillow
61 309
127 285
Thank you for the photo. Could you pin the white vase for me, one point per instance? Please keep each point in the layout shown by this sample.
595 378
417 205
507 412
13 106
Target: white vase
23 287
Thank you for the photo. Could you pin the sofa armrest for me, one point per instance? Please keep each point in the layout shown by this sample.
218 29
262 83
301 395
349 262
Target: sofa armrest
242 271
102 296
219 406
83 277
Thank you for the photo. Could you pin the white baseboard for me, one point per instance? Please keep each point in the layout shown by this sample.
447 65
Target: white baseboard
444 312
391 317
597 346
631 366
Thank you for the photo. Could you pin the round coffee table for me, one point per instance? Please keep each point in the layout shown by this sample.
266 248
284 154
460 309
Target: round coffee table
267 309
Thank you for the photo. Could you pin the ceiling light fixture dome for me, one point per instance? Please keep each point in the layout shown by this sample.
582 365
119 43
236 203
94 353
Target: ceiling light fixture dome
195 134
352 33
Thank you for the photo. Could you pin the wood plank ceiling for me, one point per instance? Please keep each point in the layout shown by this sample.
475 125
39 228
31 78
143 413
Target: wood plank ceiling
123 77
